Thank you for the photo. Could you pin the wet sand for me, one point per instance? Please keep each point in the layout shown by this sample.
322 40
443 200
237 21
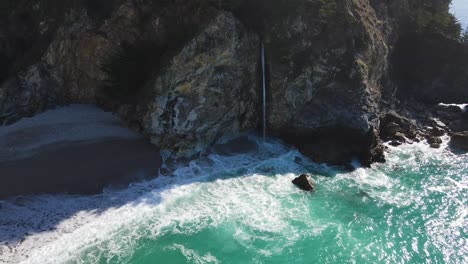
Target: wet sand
74 150
80 168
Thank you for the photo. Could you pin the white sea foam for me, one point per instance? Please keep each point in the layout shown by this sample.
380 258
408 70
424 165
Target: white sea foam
193 257
462 106
196 196
253 190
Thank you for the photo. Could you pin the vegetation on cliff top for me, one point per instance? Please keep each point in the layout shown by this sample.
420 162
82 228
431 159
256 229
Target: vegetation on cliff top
464 36
433 16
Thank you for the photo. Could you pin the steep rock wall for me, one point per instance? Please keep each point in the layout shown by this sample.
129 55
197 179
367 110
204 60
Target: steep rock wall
330 76
208 90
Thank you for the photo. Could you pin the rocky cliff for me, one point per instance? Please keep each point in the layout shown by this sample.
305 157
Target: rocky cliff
186 73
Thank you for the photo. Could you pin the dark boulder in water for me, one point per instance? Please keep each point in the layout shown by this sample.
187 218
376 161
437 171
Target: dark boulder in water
460 140
304 182
434 142
395 143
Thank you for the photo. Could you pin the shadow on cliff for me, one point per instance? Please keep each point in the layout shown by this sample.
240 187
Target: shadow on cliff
23 216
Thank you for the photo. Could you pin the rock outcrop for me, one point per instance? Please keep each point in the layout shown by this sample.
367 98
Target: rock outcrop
304 183
453 117
207 91
397 129
460 140
27 94
73 58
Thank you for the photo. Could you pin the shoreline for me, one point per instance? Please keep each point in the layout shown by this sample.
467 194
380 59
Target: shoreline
77 149
80 168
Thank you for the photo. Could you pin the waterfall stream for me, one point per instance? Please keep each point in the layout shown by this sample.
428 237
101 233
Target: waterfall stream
264 91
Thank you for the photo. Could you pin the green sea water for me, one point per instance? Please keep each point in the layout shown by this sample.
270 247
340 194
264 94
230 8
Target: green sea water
242 208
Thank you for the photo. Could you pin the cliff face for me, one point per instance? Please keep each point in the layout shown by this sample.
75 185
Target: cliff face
327 60
207 90
186 72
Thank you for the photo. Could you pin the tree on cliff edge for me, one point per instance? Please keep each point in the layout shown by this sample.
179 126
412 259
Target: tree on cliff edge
464 36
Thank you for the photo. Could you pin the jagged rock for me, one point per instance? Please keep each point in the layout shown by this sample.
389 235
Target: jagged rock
74 57
434 142
460 140
436 132
453 116
394 127
449 112
304 183
207 91
83 41
389 130
27 94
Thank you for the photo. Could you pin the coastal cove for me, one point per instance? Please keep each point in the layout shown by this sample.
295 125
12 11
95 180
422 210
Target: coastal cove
78 149
233 131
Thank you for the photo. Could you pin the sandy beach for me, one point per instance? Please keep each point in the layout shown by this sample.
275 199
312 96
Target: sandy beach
77 149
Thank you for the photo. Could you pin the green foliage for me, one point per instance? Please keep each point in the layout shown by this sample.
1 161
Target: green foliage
433 16
464 36
327 9
128 68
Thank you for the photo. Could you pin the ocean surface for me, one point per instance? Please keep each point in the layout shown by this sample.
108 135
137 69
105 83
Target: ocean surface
242 208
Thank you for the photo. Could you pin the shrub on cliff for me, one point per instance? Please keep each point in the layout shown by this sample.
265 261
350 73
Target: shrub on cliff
433 16
464 36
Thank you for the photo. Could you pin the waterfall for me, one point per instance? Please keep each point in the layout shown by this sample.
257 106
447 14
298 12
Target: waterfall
264 91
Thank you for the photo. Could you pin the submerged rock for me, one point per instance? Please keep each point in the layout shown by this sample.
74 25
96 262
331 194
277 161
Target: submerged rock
304 183
460 140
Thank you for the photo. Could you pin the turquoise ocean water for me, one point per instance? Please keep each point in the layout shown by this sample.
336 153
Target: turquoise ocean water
242 208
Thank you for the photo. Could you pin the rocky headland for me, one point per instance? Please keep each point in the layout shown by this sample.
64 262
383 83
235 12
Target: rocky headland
342 75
